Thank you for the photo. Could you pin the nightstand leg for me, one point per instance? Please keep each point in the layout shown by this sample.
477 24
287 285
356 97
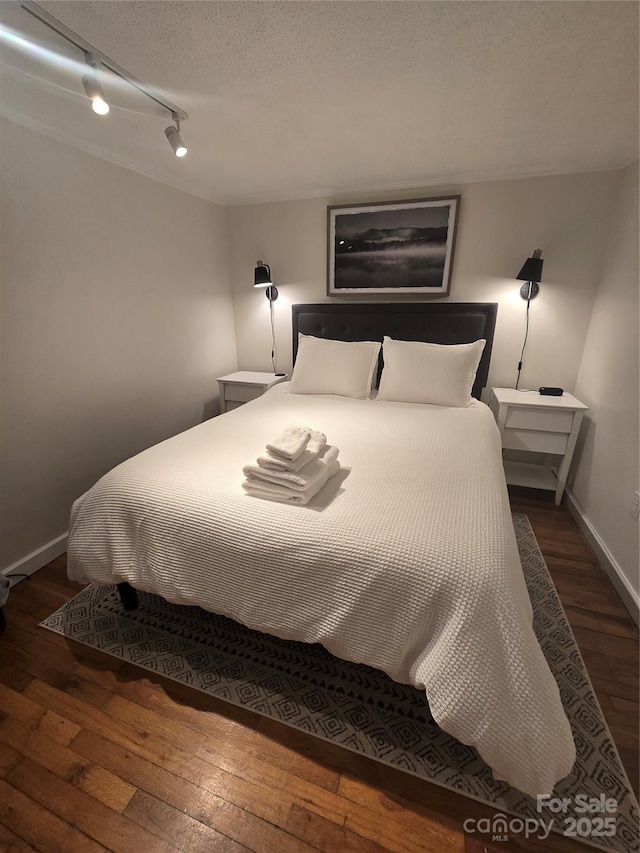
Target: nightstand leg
563 471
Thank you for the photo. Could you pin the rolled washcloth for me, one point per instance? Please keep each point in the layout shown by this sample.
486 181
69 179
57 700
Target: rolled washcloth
290 443
276 463
283 494
294 480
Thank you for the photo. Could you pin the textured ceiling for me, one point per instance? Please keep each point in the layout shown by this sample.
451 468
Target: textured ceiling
302 98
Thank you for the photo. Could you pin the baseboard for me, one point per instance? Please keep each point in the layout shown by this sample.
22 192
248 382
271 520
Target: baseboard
629 596
37 559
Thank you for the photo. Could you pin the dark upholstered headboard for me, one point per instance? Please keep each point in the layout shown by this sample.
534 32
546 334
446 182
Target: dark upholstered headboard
437 323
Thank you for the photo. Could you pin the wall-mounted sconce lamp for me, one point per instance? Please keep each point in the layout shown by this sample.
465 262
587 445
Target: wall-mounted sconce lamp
262 278
531 275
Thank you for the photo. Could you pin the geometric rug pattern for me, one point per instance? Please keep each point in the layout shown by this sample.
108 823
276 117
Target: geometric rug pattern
360 708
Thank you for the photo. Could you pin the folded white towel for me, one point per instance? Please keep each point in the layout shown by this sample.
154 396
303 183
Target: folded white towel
290 443
276 463
282 494
296 480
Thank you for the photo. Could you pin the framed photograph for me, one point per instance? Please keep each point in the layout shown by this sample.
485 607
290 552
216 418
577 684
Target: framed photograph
395 247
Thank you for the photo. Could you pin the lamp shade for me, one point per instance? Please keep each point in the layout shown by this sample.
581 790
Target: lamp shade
531 270
262 275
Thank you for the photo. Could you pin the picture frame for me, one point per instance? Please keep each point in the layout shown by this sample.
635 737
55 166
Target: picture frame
392 247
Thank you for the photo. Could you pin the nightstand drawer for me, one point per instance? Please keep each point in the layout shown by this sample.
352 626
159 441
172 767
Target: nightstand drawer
242 393
539 419
535 440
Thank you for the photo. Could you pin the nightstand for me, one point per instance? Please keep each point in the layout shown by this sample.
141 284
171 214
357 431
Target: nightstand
243 386
530 422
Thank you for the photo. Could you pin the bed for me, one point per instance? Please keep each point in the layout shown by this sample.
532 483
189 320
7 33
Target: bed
406 560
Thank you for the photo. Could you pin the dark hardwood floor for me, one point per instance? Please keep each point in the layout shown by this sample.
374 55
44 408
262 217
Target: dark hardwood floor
97 755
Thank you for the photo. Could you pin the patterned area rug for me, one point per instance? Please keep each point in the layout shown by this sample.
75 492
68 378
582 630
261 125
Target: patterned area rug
360 708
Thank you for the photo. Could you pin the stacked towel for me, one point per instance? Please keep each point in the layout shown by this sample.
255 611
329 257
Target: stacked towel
290 443
294 467
273 462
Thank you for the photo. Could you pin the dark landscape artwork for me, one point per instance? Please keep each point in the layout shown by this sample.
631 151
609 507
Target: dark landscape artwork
396 247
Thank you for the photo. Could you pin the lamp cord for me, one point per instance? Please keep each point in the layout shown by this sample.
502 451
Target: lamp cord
526 335
273 337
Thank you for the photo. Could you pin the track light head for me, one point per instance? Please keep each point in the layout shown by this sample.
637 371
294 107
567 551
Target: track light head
95 94
175 140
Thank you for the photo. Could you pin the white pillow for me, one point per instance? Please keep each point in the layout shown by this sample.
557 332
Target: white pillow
441 374
334 367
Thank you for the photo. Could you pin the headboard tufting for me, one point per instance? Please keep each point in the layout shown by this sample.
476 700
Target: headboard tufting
438 323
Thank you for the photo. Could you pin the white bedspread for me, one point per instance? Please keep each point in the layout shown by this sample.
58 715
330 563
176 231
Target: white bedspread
406 560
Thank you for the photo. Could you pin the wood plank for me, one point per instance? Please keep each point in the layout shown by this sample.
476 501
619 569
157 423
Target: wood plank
11 675
620 626
57 728
52 659
20 706
11 843
145 720
67 764
29 600
39 827
327 836
624 727
385 815
89 717
183 793
613 677
269 789
182 703
282 748
100 823
580 571
9 757
615 648
388 808
627 705
629 758
599 602
179 829
43 657
318 800
231 823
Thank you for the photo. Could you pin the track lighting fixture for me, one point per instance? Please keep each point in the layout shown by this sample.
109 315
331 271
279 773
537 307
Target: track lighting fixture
94 90
97 60
173 135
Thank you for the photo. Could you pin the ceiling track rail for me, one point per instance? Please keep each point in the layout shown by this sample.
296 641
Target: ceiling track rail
97 55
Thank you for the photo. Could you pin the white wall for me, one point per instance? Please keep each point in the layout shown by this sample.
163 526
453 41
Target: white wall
117 317
500 224
607 473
